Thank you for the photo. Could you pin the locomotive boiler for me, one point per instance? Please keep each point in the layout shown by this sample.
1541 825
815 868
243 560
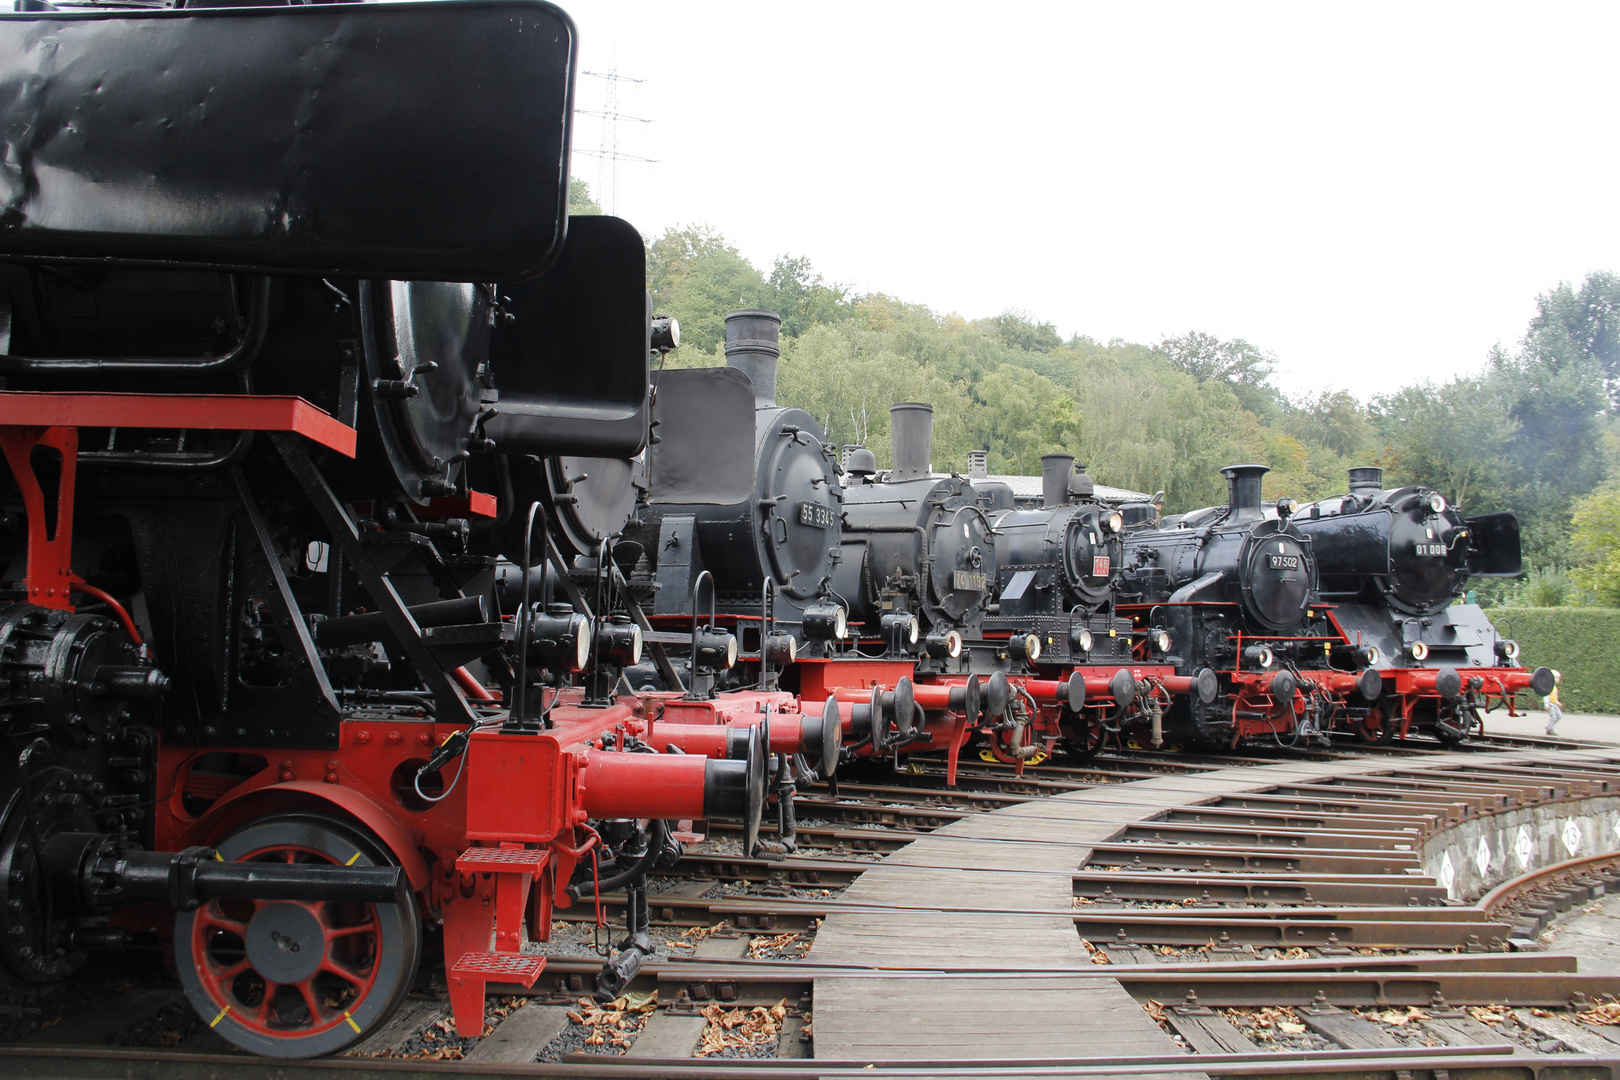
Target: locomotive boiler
298 342
1393 562
918 562
1054 571
1056 565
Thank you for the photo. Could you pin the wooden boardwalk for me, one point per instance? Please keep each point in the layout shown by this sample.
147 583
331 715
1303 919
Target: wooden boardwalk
944 920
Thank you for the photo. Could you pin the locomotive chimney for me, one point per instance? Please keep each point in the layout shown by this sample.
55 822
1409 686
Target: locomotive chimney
1055 470
911 431
1366 478
1243 490
753 348
978 464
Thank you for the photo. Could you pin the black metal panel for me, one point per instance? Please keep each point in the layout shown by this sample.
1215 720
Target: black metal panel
1495 549
370 140
572 365
705 449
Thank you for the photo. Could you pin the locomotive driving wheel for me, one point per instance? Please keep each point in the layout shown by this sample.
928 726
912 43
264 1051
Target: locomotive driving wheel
1375 728
1083 734
297 978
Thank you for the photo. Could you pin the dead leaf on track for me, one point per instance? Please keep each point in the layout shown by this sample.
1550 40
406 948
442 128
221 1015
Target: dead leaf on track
740 1029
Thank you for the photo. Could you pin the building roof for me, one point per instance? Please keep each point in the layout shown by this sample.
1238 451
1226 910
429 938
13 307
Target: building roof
1029 487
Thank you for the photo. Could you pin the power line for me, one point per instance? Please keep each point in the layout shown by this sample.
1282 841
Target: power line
608 154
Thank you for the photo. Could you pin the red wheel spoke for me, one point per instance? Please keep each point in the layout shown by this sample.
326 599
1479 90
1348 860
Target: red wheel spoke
224 975
316 1016
335 932
266 1007
343 971
229 926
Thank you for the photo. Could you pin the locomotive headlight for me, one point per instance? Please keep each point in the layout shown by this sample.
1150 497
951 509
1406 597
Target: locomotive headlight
666 333
716 649
1026 647
943 646
1437 502
826 621
620 641
1418 650
1115 522
781 648
1507 649
560 633
1160 640
1259 656
901 628
1080 639
1370 656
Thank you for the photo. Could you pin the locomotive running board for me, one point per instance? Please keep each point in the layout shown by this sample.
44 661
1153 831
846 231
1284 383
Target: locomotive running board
213 412
29 420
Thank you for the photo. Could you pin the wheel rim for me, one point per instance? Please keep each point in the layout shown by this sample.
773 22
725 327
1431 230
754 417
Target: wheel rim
297 978
1083 733
1374 728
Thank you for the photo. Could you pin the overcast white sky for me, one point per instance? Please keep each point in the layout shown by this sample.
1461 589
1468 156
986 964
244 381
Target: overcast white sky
1374 192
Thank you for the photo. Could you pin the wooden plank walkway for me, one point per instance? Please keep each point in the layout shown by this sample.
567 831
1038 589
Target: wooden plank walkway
869 1019
967 899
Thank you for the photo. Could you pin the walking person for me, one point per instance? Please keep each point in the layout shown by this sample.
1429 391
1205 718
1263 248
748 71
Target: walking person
1555 711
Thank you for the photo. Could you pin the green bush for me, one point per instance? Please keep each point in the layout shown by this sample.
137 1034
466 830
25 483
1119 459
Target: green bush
1580 642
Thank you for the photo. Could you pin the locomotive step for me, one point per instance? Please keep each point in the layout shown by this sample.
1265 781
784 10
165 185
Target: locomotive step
505 967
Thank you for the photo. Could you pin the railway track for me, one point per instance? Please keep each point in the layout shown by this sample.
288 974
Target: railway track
1304 922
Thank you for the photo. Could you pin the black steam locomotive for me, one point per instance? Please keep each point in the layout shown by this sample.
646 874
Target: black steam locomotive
918 561
1393 562
300 350
1228 597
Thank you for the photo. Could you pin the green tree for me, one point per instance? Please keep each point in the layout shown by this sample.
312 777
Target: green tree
1596 520
1453 437
1581 324
697 276
1240 365
802 297
580 203
1020 330
1335 419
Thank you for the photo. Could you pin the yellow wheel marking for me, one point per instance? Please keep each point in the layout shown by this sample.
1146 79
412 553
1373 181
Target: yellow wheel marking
220 1017
353 857
350 1019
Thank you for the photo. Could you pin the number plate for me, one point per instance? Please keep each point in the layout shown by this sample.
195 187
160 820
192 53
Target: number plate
973 580
816 515
1099 566
1431 549
1284 562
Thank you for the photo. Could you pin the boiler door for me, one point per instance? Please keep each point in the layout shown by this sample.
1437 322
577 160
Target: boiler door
1276 580
964 560
1428 560
432 337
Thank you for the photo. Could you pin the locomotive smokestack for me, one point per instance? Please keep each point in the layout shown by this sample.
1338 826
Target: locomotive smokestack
1366 478
1055 470
1243 490
911 431
753 347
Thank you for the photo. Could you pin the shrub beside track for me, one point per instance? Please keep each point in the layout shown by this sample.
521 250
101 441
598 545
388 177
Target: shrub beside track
1579 642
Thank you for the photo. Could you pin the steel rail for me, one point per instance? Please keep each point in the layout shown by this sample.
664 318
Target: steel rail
1510 889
